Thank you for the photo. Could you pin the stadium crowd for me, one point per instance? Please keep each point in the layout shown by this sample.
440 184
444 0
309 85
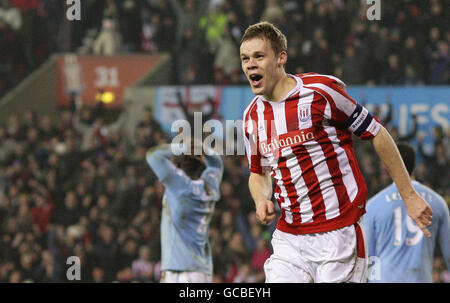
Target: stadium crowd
79 187
408 46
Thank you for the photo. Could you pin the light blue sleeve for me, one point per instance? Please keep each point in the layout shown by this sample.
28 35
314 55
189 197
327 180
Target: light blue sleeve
159 160
213 160
444 232
213 173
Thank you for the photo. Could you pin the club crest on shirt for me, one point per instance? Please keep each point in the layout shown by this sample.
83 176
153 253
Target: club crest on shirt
304 112
304 115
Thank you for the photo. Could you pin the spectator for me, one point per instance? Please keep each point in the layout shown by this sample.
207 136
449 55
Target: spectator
105 251
108 41
214 25
393 74
11 15
245 274
187 16
259 257
273 12
151 33
96 136
142 267
351 67
439 65
413 58
98 275
9 48
127 254
130 25
45 272
227 62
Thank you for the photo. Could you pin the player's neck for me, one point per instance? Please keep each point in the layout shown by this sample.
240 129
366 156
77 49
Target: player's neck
282 87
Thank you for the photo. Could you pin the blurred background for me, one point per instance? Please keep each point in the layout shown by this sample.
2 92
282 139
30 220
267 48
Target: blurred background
81 101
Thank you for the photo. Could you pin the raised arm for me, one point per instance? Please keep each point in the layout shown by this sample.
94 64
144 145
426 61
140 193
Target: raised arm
418 209
411 135
213 173
183 106
261 190
158 158
79 126
213 160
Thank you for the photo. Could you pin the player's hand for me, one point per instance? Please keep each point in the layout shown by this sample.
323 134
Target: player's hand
420 211
265 212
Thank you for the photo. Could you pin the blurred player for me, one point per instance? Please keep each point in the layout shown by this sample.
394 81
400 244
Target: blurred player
403 253
192 189
299 128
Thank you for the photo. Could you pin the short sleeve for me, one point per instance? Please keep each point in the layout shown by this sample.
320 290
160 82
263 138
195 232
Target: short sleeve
251 146
344 109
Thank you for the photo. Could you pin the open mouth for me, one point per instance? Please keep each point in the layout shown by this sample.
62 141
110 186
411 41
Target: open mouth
255 79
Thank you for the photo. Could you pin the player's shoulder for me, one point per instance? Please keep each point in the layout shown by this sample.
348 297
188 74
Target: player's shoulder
312 79
207 188
251 106
179 182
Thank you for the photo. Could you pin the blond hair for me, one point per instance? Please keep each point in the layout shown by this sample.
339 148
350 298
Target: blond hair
268 31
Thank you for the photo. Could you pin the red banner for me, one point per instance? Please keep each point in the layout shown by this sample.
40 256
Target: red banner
95 77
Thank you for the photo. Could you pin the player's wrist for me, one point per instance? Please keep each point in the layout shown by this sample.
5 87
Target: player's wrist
408 195
261 202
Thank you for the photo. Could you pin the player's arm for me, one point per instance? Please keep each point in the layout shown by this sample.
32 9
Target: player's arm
364 125
418 209
182 105
260 186
260 181
213 173
77 123
159 159
212 159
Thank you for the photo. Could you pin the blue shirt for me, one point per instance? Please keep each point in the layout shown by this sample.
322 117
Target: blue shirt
398 249
188 206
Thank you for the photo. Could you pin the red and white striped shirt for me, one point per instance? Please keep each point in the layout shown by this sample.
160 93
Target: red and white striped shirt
306 142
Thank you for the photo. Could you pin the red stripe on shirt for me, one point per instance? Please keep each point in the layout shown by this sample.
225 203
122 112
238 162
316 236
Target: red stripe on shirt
360 249
317 113
255 157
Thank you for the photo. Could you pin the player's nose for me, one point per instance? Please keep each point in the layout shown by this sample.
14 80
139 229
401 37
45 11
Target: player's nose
252 64
251 68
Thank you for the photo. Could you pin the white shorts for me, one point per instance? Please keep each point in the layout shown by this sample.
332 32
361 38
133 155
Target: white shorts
184 277
329 257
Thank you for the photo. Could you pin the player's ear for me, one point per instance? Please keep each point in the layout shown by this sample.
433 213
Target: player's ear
282 58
